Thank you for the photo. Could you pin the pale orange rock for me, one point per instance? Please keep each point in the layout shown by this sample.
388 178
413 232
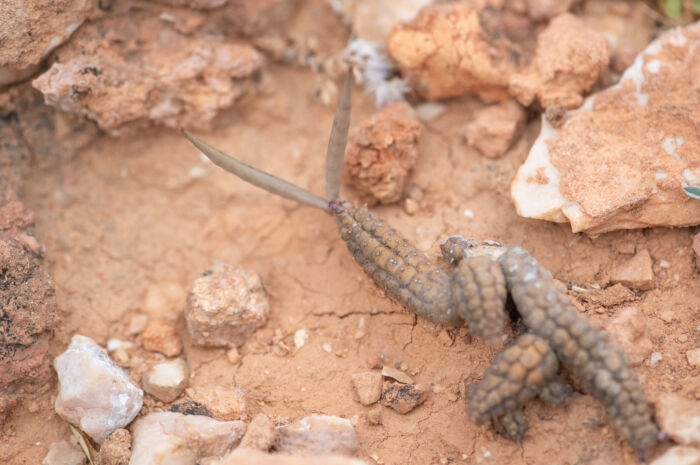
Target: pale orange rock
495 128
621 160
382 151
568 60
260 434
133 70
445 52
636 272
162 337
629 328
368 386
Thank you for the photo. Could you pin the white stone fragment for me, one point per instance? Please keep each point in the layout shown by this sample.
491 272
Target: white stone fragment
64 453
301 337
317 434
169 438
166 380
93 392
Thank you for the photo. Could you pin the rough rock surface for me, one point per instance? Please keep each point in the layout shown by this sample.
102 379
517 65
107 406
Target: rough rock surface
116 450
445 52
679 455
166 380
225 306
132 70
381 153
221 401
368 386
260 434
64 453
317 434
568 60
636 272
32 30
629 328
679 418
621 161
495 128
243 456
93 392
159 336
403 397
162 438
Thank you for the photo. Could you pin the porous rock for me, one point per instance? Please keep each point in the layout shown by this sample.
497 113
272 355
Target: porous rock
629 328
382 151
621 160
568 60
403 397
445 52
64 453
225 306
161 438
166 380
222 402
159 336
636 272
242 456
32 30
368 386
116 450
679 455
495 128
317 434
131 70
260 434
679 418
93 392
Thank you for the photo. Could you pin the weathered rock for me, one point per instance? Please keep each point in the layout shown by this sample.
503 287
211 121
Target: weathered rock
381 153
368 386
679 418
636 272
403 397
542 10
372 20
226 305
629 328
696 249
495 128
243 456
621 160
93 392
693 357
32 30
223 402
260 435
445 52
317 434
159 336
679 455
116 450
568 60
64 453
162 438
132 70
166 380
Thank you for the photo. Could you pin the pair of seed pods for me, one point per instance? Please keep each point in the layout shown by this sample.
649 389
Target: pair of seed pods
475 292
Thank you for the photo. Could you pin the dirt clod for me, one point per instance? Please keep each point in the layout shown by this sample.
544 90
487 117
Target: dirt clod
495 128
636 272
368 386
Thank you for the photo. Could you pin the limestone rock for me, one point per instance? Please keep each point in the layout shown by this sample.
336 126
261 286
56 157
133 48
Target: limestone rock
166 380
629 328
131 70
636 272
159 336
116 450
445 52
162 438
260 435
621 160
381 153
64 453
495 128
226 305
368 386
243 456
33 29
403 397
222 402
679 418
317 434
679 455
93 392
568 60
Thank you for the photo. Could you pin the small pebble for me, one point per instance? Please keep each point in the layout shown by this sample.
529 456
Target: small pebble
137 323
301 337
693 357
636 272
166 380
374 416
655 359
403 397
64 453
373 363
679 418
224 403
327 347
368 386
